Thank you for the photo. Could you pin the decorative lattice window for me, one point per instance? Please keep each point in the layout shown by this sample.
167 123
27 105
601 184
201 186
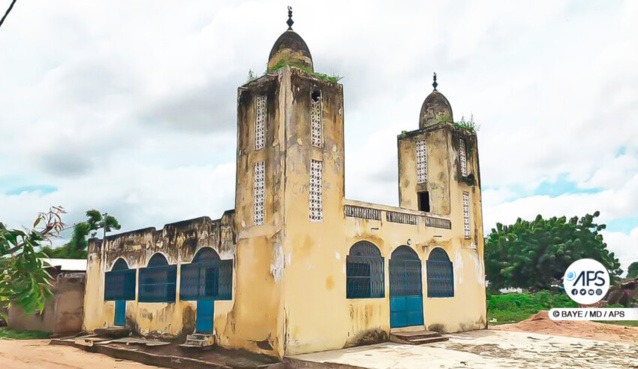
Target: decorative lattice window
315 120
364 271
462 157
316 191
158 280
260 184
440 274
466 215
120 282
260 122
421 162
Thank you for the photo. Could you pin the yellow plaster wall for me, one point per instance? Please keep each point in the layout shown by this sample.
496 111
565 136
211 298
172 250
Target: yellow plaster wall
179 243
437 140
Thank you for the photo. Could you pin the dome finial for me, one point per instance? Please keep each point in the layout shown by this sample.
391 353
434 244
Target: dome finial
290 21
434 84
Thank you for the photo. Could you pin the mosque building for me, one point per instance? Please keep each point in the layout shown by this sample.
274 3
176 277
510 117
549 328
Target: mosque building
296 267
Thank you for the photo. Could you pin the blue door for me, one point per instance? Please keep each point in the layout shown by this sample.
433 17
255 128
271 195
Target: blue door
406 292
120 312
205 314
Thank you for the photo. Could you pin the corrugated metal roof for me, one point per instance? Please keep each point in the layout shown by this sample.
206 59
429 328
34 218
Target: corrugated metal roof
67 264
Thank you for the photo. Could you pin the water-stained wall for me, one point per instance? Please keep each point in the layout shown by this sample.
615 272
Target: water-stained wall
178 242
289 274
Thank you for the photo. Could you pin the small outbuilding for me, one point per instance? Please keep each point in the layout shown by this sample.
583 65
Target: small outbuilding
62 313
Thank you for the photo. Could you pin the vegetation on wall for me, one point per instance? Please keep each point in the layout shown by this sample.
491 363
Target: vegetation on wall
469 125
325 77
535 254
23 279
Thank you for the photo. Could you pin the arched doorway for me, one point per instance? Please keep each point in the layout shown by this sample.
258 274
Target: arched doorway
406 290
119 286
205 280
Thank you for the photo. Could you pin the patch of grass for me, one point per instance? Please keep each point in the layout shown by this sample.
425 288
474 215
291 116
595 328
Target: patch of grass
325 77
6 333
514 307
631 323
467 124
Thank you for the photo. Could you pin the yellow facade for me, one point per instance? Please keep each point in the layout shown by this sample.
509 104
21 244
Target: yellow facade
290 273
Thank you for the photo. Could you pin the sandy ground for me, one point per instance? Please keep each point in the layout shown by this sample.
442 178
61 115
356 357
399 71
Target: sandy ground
488 349
541 323
27 354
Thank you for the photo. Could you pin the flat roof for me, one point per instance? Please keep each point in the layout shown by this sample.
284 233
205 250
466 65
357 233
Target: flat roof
67 264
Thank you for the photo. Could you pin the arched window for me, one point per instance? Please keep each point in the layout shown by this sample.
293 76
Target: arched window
440 274
364 271
119 283
158 280
206 277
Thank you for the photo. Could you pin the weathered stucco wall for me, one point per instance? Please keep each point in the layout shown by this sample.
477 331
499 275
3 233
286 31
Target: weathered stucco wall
289 276
315 273
316 281
62 313
437 139
179 242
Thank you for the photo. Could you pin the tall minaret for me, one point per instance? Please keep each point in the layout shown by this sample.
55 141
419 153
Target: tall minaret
290 174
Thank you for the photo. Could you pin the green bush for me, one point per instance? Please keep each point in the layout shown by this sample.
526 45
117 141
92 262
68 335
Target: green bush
512 308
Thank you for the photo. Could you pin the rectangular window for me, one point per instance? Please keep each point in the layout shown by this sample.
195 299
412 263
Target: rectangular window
466 215
421 162
157 284
316 191
260 122
462 157
120 285
315 122
207 281
424 201
260 183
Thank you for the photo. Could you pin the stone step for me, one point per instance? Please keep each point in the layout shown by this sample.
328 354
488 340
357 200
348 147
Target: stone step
199 336
423 341
198 340
414 335
417 337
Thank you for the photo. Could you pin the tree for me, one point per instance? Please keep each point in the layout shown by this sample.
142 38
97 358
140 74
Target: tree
23 279
76 248
632 271
535 254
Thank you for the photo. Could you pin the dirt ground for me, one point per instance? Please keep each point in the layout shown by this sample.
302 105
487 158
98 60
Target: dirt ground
28 354
541 323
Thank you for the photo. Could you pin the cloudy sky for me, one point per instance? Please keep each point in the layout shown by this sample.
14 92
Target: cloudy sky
129 106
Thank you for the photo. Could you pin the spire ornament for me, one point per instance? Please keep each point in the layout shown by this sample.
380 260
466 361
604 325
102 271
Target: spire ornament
434 84
290 21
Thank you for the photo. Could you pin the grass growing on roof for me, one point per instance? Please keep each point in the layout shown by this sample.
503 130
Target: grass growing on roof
325 77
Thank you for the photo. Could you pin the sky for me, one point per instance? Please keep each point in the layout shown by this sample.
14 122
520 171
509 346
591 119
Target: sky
129 107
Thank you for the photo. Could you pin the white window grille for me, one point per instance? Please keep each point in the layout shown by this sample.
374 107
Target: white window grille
260 122
462 157
315 122
421 162
260 184
466 215
316 191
